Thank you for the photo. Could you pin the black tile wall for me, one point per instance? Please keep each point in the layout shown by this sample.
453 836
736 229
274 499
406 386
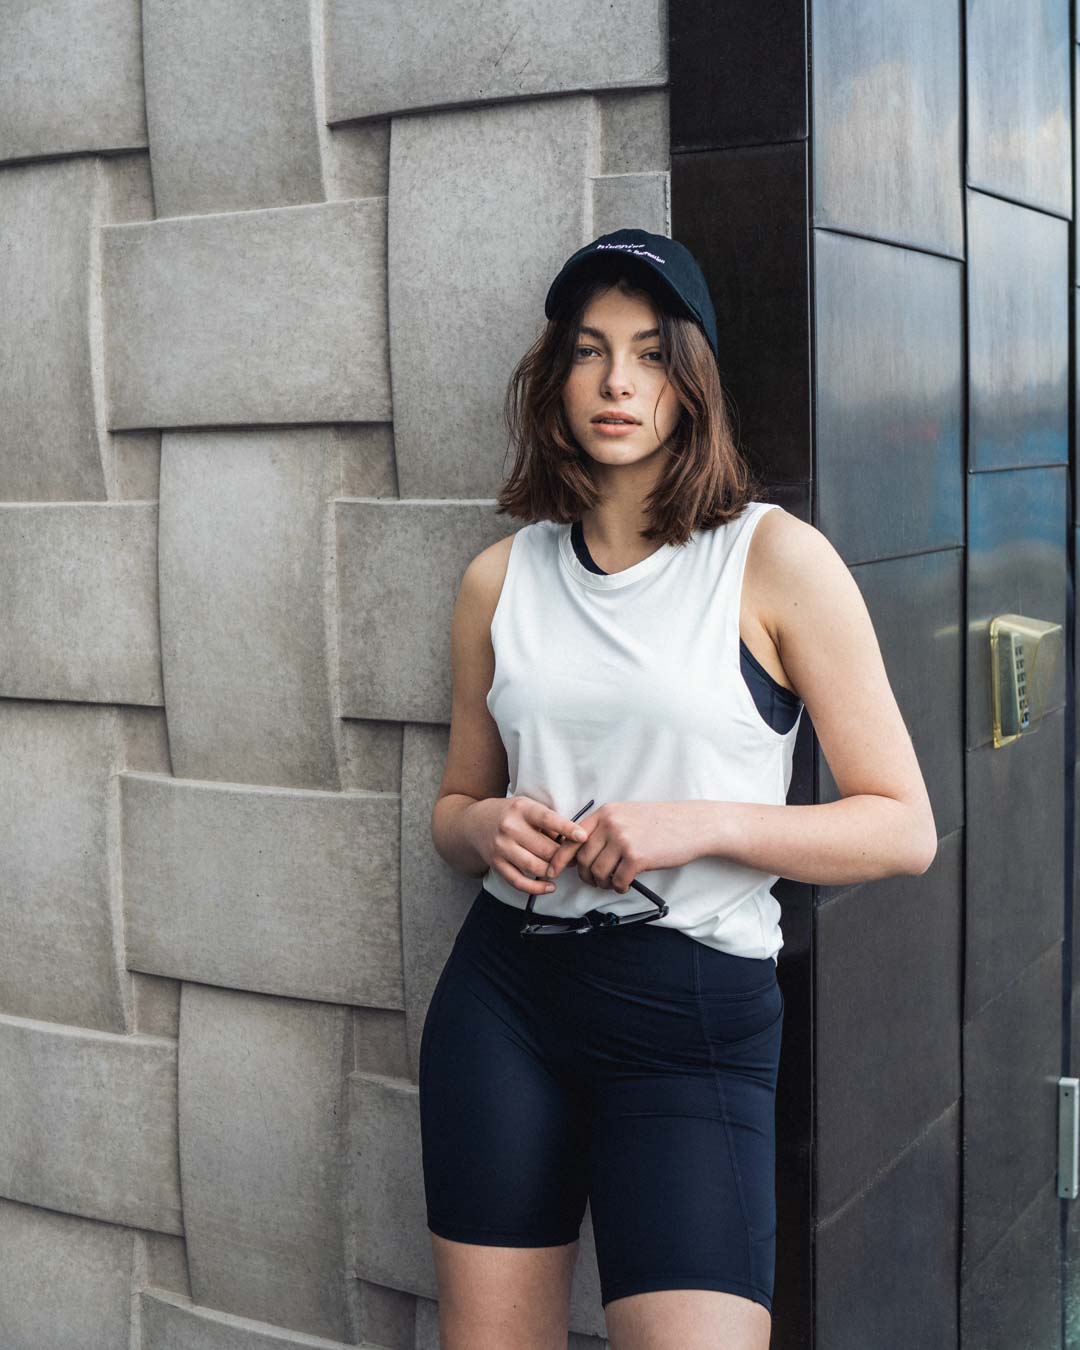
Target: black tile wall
717 54
1011 1063
1018 335
886 1262
885 94
887 964
1074 383
1015 859
890 397
1072 1207
742 213
1075 247
1013 1299
1019 101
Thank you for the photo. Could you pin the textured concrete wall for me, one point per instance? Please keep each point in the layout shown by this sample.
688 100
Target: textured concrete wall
265 272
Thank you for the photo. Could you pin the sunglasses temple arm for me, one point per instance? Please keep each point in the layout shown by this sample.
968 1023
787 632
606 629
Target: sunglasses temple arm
658 900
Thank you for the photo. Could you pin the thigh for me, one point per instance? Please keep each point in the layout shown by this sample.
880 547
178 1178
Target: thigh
494 1297
682 1167
503 1135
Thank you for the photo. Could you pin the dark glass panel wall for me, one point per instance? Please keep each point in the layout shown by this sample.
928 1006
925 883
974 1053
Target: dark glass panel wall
881 196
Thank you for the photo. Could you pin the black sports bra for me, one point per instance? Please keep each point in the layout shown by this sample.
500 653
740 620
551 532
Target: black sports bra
778 705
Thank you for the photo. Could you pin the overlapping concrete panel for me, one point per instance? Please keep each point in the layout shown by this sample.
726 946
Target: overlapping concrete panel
73 77
399 565
61 959
47 214
245 578
288 893
88 1123
248 317
641 201
261 1105
65 1283
484 207
80 596
171 1322
384 58
635 131
230 105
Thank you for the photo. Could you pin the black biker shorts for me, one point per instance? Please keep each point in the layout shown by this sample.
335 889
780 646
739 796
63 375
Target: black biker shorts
632 1068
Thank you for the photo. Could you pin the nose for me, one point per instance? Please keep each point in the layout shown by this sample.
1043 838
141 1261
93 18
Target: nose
617 378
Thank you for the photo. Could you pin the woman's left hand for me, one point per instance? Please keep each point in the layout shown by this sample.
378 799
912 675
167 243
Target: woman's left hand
625 838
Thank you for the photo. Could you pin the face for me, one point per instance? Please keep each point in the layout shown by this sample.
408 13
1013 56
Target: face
617 368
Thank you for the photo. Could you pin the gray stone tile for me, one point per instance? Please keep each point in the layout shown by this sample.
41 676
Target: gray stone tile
65 1283
89 1125
79 582
62 955
400 565
260 1118
248 317
246 594
288 893
73 78
443 55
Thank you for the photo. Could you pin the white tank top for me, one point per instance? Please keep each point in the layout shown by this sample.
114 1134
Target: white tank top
628 686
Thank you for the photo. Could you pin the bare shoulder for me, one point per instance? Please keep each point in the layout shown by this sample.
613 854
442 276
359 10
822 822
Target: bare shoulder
482 582
793 569
475 757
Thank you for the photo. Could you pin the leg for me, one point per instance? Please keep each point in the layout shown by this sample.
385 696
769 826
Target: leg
692 1319
504 1145
686 1255
503 1298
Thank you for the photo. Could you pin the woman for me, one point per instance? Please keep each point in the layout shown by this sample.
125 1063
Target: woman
644 644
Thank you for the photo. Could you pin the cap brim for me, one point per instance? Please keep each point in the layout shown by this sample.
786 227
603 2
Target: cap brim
596 264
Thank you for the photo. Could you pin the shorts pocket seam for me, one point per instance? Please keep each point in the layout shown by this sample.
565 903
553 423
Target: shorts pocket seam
738 995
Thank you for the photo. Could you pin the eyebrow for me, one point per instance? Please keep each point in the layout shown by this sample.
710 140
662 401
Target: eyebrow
638 337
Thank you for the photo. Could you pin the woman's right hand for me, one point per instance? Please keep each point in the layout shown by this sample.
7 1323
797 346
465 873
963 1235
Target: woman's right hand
517 836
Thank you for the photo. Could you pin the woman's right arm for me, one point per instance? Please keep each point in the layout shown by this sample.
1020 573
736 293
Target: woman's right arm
474 825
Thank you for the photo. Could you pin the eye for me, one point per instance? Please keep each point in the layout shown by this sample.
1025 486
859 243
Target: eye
658 354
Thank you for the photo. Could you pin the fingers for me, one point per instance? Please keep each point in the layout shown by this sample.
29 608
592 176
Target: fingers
600 871
517 872
568 835
561 828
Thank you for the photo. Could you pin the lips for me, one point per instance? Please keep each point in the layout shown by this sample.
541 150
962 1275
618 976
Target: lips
616 417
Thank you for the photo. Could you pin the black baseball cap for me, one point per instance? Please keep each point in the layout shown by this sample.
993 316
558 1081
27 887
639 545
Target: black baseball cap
683 284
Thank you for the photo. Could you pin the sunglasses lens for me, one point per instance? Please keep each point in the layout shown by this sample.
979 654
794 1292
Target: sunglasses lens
594 920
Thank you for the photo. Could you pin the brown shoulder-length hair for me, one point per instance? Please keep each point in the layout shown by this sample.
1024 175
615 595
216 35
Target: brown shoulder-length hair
705 480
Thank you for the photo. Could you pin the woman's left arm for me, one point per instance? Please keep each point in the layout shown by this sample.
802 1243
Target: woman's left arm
883 825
